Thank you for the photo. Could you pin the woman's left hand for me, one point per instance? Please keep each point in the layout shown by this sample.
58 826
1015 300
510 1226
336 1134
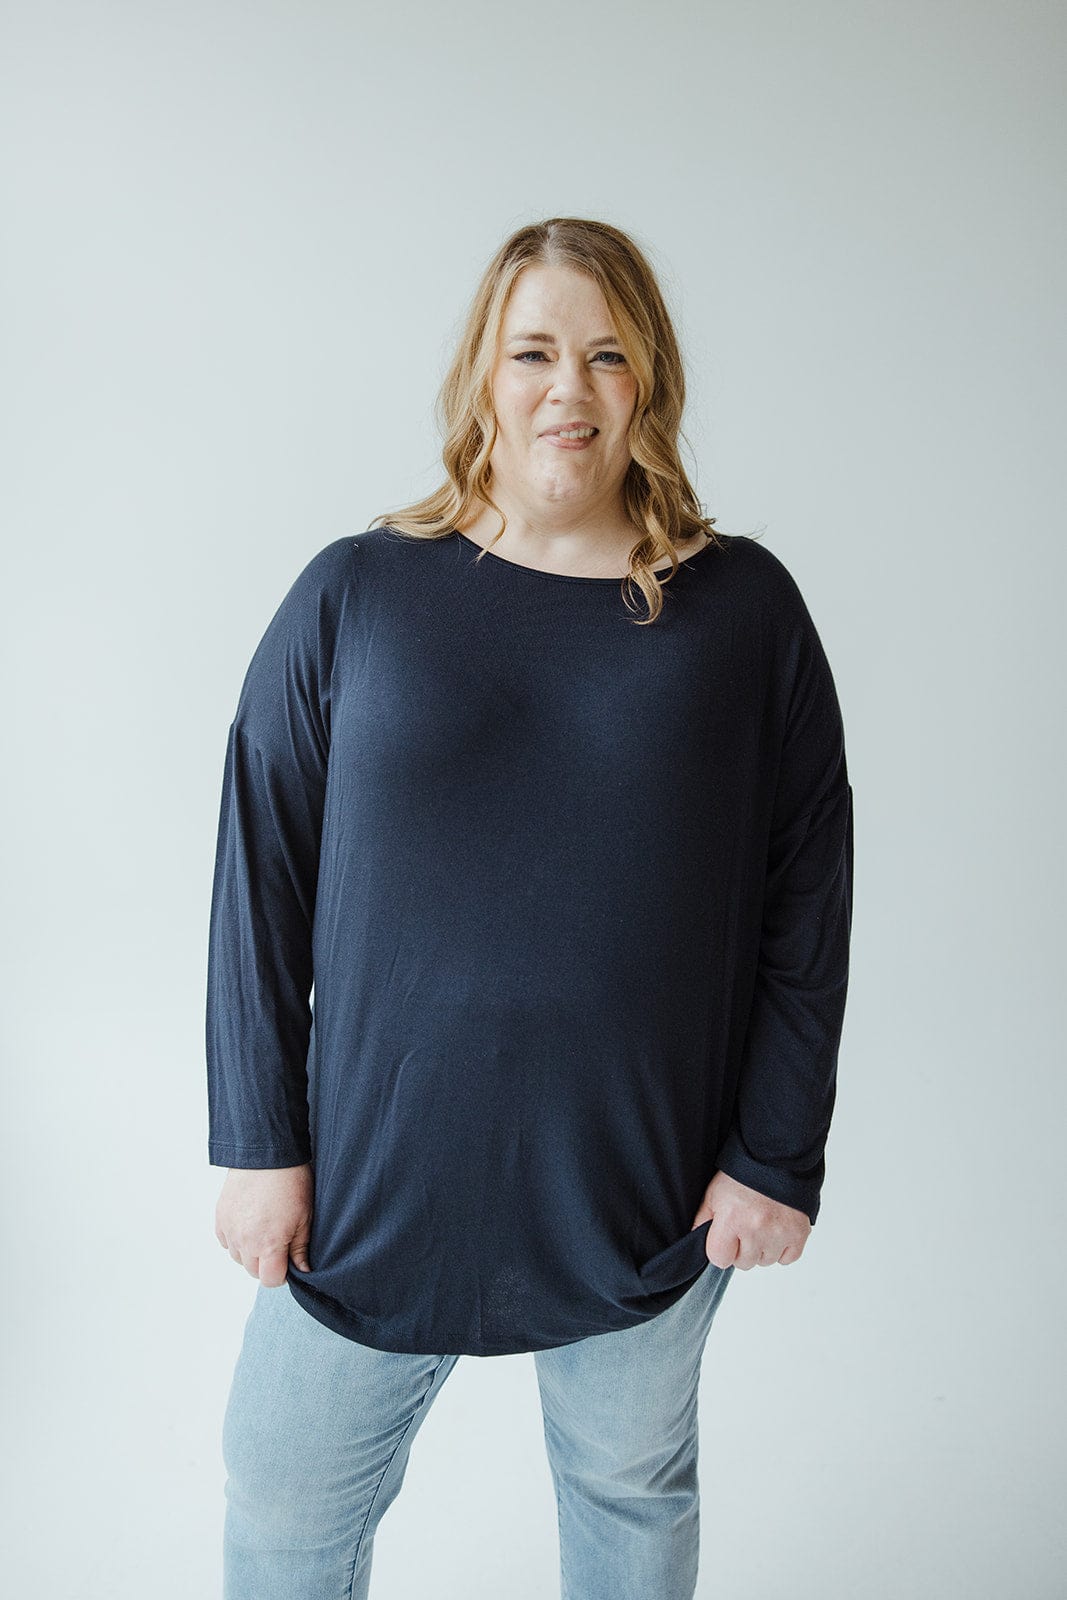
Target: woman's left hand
748 1229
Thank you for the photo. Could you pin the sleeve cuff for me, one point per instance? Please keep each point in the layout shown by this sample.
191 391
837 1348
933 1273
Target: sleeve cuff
777 1183
253 1157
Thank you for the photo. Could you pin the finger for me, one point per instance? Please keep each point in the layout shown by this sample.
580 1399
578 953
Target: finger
720 1251
299 1245
273 1266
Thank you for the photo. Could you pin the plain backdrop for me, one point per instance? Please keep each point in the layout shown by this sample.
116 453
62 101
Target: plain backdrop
239 243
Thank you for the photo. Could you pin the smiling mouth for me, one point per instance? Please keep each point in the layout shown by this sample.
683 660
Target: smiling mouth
563 441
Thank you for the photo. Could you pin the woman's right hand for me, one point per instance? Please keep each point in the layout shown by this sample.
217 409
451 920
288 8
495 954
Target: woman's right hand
263 1217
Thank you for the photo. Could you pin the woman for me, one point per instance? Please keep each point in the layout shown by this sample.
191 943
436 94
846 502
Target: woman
573 886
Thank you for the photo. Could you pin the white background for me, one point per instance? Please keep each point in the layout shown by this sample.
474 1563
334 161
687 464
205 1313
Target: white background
239 241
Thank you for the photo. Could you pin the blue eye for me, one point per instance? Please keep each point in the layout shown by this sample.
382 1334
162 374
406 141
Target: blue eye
614 358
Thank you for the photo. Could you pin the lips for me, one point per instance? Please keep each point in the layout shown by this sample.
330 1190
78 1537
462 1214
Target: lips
569 427
560 441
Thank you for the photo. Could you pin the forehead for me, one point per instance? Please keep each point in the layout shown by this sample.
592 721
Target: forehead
555 295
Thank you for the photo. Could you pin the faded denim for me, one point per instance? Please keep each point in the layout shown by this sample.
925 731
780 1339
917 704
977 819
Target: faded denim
318 1431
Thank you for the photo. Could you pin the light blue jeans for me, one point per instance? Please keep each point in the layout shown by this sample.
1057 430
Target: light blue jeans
318 1430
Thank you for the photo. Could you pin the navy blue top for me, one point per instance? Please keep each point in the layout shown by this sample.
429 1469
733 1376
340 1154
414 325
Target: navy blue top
525 920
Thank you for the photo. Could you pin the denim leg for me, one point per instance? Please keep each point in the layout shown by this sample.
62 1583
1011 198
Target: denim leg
620 1422
316 1439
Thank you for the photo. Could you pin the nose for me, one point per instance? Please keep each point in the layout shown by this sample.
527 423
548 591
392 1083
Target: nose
571 378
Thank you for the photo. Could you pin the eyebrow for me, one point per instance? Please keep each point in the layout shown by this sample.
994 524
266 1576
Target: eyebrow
546 338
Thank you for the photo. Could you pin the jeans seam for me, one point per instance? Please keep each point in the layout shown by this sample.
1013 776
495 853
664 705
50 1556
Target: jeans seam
559 1528
384 1474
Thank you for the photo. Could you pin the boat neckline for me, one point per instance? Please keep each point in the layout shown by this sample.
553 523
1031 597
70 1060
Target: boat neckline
572 577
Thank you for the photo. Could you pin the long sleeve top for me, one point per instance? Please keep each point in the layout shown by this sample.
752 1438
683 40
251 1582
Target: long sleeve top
525 921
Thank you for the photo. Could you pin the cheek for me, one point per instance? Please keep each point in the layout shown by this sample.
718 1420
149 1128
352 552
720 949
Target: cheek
516 401
629 402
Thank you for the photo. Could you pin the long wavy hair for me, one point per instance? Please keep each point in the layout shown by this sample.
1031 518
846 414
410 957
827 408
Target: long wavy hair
657 494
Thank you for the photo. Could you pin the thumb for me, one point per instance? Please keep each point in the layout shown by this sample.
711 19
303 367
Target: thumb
298 1250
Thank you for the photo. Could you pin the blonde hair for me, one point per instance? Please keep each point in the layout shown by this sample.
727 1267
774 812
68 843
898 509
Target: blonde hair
657 494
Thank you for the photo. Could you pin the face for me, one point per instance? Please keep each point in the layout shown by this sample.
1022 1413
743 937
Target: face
573 372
